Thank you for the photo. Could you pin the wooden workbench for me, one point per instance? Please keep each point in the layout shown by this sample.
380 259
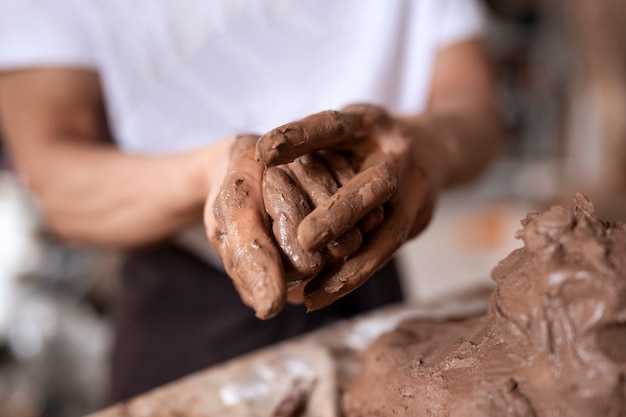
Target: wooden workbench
253 385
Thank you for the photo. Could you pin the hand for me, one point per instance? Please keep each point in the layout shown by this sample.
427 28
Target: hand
290 191
239 230
399 164
265 265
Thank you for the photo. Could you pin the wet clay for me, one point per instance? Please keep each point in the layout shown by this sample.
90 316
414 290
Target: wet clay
366 191
324 130
552 343
287 205
319 184
292 191
343 172
242 233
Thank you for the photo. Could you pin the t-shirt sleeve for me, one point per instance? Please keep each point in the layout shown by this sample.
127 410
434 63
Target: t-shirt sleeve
43 33
460 20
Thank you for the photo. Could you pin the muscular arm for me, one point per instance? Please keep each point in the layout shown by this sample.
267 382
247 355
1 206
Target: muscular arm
88 190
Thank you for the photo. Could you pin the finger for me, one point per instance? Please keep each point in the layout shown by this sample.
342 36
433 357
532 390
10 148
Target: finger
319 184
343 172
242 237
287 206
324 130
296 294
372 220
367 190
425 215
339 165
377 250
345 245
348 276
314 178
371 116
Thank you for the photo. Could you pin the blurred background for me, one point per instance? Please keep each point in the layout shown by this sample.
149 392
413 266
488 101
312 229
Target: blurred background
561 71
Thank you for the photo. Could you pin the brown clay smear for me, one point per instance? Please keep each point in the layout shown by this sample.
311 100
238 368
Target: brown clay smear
287 206
343 172
319 185
308 184
366 191
551 344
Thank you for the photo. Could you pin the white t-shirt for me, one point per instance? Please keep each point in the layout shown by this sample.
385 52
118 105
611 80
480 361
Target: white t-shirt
180 74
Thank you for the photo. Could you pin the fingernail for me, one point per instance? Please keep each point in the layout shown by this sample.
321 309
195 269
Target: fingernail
319 300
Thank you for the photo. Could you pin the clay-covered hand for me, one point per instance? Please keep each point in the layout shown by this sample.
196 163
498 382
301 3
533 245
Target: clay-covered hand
239 230
397 165
290 192
252 219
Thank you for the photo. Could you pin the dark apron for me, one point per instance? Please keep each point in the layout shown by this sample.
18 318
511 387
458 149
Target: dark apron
175 315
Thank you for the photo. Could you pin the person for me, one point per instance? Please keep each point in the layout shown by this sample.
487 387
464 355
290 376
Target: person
121 117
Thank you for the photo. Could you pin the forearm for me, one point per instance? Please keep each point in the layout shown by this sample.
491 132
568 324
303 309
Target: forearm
55 129
93 193
462 120
469 134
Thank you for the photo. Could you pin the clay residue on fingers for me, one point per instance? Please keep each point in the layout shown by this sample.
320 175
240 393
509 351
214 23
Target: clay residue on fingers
372 220
367 190
242 238
343 171
339 165
319 184
344 246
354 272
287 206
314 178
325 130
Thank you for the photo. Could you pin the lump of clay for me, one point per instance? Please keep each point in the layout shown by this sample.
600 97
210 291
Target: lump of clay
552 343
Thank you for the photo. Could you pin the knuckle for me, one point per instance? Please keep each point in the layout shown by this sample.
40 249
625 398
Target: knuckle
372 115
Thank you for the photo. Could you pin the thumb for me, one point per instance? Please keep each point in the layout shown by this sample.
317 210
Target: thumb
241 236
